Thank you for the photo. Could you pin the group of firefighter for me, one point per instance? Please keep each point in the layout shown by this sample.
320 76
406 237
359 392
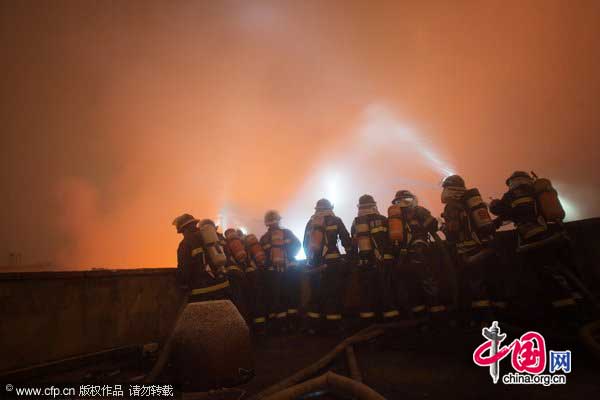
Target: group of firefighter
393 256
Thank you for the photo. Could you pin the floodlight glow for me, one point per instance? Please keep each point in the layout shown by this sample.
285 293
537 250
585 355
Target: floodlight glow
331 187
384 129
383 153
301 255
571 211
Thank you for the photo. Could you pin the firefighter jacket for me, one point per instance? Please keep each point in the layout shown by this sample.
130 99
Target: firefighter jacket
330 228
370 240
193 270
281 247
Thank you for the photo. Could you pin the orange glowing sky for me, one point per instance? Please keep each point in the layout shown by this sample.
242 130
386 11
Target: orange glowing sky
118 116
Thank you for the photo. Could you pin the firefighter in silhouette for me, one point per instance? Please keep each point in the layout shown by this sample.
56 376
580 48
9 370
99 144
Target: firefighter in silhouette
257 279
230 269
200 261
470 233
371 250
240 273
282 277
533 206
326 266
415 281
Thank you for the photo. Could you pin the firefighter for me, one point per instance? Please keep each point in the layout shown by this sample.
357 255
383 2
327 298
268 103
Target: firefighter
326 266
531 208
414 280
283 285
470 233
229 268
197 272
256 277
240 272
370 249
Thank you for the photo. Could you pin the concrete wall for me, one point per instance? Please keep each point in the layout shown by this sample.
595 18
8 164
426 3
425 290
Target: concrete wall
47 316
53 315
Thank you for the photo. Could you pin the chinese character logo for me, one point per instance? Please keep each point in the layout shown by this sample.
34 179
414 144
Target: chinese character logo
560 360
528 353
494 339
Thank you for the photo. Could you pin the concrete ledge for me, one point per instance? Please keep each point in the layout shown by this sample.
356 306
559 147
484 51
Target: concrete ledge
94 273
48 316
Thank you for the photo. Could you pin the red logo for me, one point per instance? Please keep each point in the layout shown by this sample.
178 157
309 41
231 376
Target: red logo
528 353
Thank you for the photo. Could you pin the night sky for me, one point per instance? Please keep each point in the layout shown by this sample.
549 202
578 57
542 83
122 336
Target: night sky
117 116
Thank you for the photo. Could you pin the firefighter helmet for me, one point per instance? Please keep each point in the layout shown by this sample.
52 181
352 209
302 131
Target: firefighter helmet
453 180
405 198
518 178
182 221
324 204
207 221
230 232
366 200
272 217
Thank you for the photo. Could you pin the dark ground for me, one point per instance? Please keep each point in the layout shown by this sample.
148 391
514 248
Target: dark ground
400 365
421 366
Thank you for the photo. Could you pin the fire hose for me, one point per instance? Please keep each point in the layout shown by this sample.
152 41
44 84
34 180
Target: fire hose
353 364
305 373
163 357
584 290
225 393
331 382
588 335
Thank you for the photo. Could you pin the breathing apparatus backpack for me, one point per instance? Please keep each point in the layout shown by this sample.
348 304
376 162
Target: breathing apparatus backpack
255 249
395 223
524 206
478 211
547 200
316 236
235 245
277 249
363 236
212 247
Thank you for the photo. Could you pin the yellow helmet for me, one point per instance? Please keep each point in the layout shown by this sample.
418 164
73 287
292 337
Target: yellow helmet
272 217
183 220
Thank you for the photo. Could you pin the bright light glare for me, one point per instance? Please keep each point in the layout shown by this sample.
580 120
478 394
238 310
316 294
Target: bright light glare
571 211
301 255
356 168
382 127
331 186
